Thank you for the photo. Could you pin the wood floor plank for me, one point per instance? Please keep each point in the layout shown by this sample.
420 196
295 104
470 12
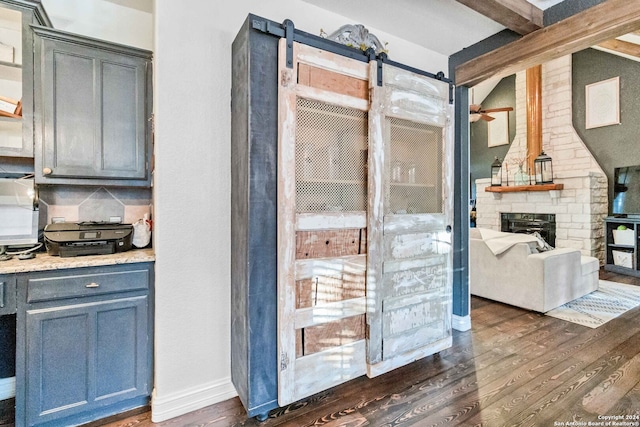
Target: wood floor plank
496 408
398 381
523 371
512 389
432 399
406 382
552 407
605 395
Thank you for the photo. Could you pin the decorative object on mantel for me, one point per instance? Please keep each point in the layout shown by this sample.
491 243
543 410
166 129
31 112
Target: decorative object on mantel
356 35
520 177
602 103
543 169
496 173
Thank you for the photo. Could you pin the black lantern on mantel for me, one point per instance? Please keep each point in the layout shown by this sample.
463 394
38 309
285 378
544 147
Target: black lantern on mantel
543 167
496 173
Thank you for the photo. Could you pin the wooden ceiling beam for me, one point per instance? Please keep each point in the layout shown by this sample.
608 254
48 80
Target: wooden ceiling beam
621 46
604 21
517 15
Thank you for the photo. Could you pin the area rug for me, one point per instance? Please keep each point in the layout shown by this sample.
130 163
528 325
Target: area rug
597 308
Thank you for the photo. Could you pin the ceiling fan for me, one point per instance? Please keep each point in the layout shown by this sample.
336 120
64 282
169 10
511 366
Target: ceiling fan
476 112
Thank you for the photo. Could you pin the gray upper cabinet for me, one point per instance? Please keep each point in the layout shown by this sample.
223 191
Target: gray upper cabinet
92 111
16 74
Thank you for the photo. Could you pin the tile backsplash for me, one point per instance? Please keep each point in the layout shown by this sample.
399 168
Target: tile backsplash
75 203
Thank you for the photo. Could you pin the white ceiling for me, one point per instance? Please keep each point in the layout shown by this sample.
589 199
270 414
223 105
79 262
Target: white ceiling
427 23
141 5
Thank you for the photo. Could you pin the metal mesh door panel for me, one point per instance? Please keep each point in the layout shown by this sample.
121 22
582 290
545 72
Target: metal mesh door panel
331 157
414 169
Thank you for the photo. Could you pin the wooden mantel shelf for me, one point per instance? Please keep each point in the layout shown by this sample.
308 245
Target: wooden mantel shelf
514 188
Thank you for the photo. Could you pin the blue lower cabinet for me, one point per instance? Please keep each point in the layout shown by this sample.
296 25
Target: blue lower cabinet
83 351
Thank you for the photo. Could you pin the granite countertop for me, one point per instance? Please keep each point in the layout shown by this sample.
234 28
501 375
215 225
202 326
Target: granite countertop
43 261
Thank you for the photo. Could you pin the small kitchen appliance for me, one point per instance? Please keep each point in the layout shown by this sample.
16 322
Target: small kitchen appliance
68 239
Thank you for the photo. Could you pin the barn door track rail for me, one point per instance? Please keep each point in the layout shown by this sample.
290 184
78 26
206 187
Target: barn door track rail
288 31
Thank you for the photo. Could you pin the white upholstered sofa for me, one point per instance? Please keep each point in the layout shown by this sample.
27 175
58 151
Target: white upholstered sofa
508 268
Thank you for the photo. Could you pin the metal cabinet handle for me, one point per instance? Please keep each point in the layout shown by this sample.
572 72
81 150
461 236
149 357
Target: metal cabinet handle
2 294
92 285
47 171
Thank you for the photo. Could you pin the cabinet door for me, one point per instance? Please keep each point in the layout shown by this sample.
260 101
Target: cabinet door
322 199
409 277
85 356
94 115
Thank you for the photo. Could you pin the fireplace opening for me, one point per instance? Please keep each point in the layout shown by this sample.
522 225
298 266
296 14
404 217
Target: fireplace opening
528 223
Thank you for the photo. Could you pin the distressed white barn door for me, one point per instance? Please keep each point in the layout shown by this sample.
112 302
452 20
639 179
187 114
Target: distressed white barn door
322 203
409 274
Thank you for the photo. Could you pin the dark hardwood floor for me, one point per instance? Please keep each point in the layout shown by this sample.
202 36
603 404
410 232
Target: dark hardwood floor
514 368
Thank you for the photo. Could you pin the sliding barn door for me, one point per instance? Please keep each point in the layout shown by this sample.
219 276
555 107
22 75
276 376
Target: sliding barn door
322 203
409 280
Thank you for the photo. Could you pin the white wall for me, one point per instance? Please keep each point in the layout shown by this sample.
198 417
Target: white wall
192 188
104 19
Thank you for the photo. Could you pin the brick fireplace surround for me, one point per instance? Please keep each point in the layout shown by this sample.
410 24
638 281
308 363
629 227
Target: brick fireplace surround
582 205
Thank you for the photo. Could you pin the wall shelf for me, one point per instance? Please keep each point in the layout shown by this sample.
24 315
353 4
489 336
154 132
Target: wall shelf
515 188
615 252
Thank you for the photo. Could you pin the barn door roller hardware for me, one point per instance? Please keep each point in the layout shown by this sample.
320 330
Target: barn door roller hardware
287 30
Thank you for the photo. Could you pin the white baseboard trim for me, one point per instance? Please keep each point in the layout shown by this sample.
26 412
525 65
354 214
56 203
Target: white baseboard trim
7 388
180 403
461 323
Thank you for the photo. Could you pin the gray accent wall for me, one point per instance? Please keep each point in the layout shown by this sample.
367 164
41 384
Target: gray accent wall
566 9
481 156
614 145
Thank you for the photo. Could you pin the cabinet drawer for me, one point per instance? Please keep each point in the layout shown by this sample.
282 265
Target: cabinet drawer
7 295
83 285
